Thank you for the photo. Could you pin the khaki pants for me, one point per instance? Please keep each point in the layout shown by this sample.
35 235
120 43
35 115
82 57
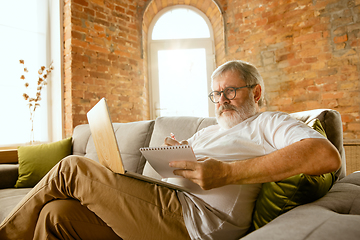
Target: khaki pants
80 199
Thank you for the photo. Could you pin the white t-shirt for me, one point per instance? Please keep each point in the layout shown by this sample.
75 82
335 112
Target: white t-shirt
226 212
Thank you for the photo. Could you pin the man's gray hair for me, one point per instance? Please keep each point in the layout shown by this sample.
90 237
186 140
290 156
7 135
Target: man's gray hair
246 71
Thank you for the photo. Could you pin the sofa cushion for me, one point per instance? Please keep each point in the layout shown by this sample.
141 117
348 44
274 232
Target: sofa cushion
334 216
182 127
130 137
9 198
36 160
276 198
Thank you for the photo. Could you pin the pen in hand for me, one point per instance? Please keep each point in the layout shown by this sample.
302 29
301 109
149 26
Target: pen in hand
172 136
171 141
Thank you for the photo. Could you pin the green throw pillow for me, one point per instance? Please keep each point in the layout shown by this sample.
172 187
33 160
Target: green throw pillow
276 198
35 161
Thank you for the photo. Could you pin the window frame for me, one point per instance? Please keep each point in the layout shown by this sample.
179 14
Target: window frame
56 88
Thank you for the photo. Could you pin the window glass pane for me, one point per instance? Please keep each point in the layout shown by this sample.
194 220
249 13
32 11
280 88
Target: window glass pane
183 83
180 23
23 26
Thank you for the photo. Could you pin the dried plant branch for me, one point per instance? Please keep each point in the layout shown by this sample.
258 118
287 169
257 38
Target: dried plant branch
34 102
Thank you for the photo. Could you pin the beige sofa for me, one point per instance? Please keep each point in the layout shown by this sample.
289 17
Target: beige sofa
335 216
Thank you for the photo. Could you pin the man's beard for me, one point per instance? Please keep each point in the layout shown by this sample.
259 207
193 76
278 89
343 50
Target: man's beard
229 120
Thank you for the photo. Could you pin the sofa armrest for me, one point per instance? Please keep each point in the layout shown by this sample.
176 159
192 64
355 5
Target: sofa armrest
8 175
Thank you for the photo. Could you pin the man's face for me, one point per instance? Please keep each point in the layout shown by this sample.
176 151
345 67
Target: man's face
231 112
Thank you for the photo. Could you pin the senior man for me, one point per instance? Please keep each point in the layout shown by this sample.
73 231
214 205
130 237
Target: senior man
80 199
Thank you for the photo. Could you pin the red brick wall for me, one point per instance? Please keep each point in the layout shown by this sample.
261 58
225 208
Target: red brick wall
307 51
103 59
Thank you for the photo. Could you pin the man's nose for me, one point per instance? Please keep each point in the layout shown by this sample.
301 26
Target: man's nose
223 99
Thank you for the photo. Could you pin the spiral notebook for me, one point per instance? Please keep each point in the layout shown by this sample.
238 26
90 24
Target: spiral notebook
107 148
159 158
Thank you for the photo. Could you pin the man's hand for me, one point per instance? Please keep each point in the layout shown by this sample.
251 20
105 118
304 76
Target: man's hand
170 141
208 173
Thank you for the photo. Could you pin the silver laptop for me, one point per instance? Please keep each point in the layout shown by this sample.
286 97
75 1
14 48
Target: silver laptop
107 148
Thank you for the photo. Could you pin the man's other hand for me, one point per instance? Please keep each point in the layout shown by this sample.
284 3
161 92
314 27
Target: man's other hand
207 172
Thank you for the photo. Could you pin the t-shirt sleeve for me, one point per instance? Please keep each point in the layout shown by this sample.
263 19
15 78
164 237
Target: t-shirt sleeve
197 134
282 130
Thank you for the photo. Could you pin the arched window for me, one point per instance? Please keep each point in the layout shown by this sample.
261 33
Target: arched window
181 60
180 23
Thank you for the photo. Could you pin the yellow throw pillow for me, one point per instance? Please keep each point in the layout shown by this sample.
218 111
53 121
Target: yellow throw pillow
276 198
35 161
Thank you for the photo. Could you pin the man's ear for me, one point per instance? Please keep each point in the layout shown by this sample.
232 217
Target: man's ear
257 93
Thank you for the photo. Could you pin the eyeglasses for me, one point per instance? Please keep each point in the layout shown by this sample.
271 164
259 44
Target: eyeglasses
229 93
